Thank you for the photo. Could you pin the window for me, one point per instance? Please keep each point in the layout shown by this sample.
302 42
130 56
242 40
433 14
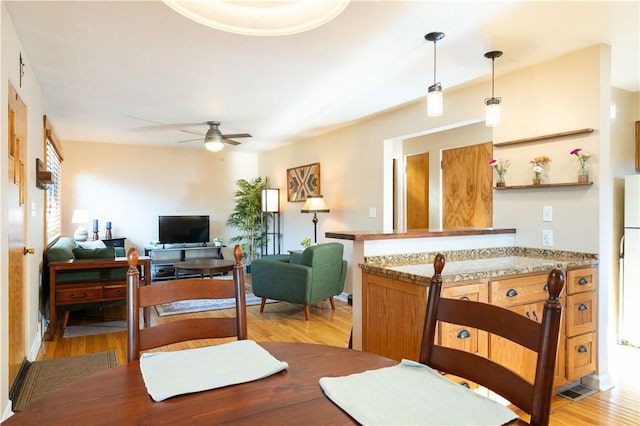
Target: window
53 196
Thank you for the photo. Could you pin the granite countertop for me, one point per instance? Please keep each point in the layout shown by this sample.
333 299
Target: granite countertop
415 233
467 265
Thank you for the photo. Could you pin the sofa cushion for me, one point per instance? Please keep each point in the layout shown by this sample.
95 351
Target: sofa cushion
61 250
98 253
89 245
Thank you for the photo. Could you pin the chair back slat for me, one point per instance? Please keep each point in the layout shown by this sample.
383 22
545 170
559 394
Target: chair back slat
542 338
164 333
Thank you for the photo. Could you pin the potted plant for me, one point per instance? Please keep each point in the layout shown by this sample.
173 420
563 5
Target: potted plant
247 217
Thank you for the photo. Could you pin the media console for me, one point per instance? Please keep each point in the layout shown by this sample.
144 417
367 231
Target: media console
164 257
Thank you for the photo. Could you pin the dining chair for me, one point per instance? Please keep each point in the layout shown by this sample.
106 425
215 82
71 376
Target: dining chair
542 338
157 293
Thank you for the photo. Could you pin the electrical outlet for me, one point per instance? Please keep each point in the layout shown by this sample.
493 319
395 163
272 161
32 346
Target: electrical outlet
547 238
372 212
547 213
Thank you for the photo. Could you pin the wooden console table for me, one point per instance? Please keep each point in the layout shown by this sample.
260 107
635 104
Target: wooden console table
88 291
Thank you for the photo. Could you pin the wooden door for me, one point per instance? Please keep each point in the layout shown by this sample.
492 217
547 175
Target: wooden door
467 196
418 191
17 126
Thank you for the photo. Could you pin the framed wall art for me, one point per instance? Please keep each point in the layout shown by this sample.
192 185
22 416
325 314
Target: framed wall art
303 181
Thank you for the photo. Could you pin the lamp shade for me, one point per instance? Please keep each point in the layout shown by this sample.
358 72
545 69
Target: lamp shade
315 204
80 216
270 200
434 101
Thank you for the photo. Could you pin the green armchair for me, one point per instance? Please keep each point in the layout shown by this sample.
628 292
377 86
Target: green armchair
316 274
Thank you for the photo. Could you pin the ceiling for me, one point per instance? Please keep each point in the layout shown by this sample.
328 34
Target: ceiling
137 72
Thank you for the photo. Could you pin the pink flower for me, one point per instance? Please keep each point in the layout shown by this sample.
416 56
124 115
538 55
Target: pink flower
575 151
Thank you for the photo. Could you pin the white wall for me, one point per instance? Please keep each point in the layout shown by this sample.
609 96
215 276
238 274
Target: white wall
34 206
130 186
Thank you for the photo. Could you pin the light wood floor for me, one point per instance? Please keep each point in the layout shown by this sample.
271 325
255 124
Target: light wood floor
285 322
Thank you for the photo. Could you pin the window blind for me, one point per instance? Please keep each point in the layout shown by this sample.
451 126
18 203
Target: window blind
53 208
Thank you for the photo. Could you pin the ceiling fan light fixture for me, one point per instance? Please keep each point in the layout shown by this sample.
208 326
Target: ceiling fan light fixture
434 92
260 18
492 111
214 145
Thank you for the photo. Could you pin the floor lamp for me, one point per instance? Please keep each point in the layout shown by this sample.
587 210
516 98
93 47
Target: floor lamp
271 207
315 204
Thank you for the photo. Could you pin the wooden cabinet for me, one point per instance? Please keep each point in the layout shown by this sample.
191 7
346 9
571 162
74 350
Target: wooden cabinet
526 296
581 321
393 317
394 310
163 259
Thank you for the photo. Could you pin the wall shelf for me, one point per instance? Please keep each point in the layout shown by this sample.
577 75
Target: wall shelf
544 185
544 137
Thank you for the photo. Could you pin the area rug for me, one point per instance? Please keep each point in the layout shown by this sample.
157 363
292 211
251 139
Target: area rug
45 376
201 305
95 328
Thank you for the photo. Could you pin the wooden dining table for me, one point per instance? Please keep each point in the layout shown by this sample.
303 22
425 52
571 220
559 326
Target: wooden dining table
118 396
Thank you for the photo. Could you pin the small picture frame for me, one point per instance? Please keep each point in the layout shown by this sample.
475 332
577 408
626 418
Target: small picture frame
303 181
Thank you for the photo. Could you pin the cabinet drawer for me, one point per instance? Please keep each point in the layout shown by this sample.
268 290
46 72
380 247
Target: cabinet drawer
70 294
460 337
581 356
581 280
115 292
517 291
581 313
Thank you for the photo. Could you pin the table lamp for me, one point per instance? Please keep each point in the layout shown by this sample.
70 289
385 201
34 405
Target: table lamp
315 204
80 217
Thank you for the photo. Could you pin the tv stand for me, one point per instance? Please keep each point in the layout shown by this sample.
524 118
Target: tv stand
164 257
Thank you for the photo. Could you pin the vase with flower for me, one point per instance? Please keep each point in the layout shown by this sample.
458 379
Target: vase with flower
500 166
538 165
583 158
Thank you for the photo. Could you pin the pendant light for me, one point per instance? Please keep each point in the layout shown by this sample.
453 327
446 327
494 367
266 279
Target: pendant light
434 92
492 103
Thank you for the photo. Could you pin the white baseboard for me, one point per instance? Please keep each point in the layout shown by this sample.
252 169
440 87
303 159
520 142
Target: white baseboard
601 382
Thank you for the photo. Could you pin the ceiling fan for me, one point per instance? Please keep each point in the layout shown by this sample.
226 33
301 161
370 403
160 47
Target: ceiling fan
213 139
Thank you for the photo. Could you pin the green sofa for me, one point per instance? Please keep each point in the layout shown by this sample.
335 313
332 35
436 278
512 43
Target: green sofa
83 278
316 274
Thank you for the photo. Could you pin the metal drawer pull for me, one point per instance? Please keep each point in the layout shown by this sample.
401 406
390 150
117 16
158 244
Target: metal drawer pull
464 298
84 294
582 281
546 287
535 316
582 307
464 334
512 293
466 385
582 349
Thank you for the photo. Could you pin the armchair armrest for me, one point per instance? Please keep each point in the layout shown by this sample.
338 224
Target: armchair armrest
281 280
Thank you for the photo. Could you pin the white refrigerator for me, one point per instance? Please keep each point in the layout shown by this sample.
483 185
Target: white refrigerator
629 327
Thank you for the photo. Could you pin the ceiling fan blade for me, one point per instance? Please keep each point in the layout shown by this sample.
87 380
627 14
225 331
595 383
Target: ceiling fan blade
230 142
190 140
237 135
193 132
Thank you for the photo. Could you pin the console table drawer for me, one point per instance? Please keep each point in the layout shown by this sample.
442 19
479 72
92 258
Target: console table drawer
115 292
78 294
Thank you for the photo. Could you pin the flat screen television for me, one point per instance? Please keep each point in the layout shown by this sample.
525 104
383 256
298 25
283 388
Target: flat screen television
183 229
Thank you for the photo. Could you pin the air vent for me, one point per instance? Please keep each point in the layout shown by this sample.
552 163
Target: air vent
577 392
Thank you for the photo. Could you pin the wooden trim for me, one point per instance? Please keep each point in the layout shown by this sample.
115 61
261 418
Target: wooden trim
544 137
638 146
50 134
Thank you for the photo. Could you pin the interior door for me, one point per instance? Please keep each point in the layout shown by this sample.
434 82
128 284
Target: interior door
418 191
467 197
15 202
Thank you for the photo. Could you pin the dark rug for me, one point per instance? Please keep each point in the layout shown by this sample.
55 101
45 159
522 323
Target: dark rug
95 328
45 376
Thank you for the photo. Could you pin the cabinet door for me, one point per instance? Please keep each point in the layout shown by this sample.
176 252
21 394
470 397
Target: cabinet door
581 313
523 360
581 355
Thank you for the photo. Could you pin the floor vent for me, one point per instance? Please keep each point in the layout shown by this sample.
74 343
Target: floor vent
577 392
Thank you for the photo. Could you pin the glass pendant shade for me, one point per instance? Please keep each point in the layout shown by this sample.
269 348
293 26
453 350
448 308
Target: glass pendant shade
492 117
434 101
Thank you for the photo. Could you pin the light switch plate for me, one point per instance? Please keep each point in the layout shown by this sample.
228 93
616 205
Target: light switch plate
547 214
372 212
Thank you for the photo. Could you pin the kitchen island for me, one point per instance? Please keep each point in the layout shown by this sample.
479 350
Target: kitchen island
361 244
394 297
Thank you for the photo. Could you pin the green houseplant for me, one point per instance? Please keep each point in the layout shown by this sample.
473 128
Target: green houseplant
247 216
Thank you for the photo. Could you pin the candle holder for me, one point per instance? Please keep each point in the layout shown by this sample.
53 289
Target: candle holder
108 235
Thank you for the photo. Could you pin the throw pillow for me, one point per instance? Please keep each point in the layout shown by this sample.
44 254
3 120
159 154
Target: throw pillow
90 245
99 253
